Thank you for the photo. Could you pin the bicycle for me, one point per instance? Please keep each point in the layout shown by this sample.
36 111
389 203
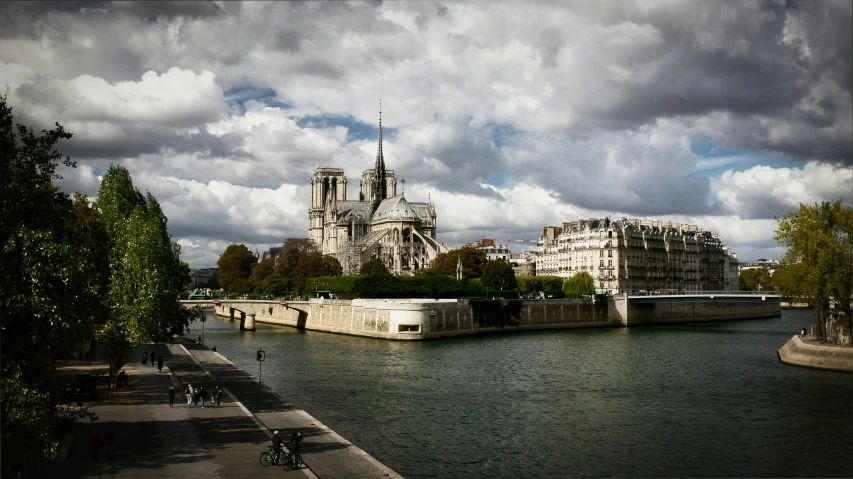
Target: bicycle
292 460
268 456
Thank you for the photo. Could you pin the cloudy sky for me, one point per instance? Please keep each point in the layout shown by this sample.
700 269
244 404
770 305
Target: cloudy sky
510 115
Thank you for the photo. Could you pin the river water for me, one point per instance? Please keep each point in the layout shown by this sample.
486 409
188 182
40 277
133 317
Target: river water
691 400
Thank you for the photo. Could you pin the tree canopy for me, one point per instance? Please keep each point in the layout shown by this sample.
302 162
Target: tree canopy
755 279
818 263
473 262
373 267
498 274
234 264
579 286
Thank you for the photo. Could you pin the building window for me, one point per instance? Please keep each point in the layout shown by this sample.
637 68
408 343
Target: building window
610 263
601 264
601 253
602 285
609 234
610 253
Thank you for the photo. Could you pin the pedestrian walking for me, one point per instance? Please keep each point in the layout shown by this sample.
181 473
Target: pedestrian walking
95 443
160 364
189 392
195 397
109 440
217 395
145 356
202 394
171 396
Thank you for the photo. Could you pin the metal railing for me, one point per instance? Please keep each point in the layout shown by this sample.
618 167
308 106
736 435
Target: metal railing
704 293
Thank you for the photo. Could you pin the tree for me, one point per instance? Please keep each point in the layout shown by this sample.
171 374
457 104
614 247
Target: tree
473 262
333 266
579 286
291 251
263 270
818 264
498 274
235 263
50 287
310 265
146 273
755 279
372 267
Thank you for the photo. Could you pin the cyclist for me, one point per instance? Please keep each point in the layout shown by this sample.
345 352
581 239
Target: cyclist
276 447
295 439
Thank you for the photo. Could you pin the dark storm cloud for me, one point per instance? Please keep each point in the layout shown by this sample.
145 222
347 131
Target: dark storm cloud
153 10
20 19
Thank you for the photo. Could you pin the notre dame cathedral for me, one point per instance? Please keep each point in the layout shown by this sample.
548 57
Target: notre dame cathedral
381 224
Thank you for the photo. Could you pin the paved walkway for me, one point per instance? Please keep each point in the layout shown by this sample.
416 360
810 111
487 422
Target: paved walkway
155 440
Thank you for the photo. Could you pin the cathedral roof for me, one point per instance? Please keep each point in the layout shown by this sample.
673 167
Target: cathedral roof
395 208
349 210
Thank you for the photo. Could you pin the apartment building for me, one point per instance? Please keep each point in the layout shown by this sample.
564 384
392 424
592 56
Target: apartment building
631 256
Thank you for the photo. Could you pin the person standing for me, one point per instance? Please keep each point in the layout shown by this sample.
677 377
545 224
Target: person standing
202 394
95 443
109 440
160 364
217 395
145 356
152 358
171 396
189 392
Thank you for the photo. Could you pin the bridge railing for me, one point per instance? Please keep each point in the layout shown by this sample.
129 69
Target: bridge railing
704 293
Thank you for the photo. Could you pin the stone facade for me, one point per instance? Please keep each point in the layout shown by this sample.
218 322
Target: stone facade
630 256
381 224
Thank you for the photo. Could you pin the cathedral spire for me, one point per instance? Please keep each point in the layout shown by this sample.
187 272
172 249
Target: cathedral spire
380 186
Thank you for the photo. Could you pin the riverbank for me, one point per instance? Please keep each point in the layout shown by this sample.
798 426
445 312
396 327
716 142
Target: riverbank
156 440
810 353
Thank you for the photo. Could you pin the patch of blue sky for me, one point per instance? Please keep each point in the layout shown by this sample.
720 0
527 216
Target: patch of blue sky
715 160
242 94
356 130
501 133
496 179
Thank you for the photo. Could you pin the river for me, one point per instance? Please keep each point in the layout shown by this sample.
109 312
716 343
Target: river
690 400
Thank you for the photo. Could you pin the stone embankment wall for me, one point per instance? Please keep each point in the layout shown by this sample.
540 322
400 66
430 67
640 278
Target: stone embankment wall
415 319
698 309
798 352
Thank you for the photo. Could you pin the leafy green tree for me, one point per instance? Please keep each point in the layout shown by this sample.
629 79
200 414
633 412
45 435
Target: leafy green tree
818 264
535 284
310 265
291 251
49 287
473 262
263 270
580 285
333 266
146 273
235 263
755 279
275 286
374 266
498 274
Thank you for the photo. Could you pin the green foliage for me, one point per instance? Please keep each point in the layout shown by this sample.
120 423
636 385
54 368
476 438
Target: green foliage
310 265
263 270
234 264
342 286
535 284
755 279
275 286
146 273
385 285
473 262
291 251
52 279
374 266
241 287
332 266
498 274
579 286
818 263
